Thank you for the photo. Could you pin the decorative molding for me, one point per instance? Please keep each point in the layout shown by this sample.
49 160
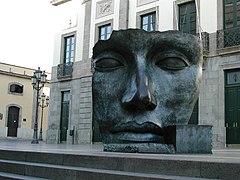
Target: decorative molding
143 2
84 1
146 11
182 1
104 8
58 2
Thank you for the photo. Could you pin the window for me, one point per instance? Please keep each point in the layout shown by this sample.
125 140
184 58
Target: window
229 36
105 32
231 13
233 77
148 22
65 96
187 18
15 88
66 68
69 49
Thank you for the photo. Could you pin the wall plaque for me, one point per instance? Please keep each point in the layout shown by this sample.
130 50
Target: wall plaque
104 8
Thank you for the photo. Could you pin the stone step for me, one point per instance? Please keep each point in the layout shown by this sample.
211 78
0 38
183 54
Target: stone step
26 170
8 176
196 166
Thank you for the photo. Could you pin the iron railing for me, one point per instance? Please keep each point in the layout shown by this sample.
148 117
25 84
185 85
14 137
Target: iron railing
64 70
228 37
205 41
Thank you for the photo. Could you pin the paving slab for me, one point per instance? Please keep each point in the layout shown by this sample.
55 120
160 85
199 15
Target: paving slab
221 164
228 155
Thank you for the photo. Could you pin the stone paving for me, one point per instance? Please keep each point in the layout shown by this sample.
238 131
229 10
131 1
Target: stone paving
219 155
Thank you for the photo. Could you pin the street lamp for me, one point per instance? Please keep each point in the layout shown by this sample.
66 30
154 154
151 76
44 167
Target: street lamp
39 78
44 103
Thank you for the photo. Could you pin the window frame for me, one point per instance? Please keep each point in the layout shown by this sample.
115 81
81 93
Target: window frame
151 21
14 92
234 14
190 22
106 34
69 49
63 40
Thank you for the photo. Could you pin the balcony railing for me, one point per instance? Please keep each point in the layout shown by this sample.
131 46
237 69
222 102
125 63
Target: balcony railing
205 41
65 70
228 37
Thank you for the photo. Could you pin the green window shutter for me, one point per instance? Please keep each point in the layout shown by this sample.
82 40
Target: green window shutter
187 18
231 13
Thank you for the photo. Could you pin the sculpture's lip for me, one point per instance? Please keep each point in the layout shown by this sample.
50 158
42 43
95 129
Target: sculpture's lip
135 132
146 127
134 137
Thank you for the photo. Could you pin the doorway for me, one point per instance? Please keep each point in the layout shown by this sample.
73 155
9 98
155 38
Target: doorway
232 106
64 116
96 132
13 119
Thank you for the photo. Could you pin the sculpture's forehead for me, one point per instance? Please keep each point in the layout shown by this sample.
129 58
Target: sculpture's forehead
138 41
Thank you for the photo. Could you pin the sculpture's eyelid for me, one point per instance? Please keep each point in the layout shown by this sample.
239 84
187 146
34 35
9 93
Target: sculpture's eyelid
175 55
109 55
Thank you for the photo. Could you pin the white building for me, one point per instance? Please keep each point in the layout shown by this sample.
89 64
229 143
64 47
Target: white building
18 103
217 22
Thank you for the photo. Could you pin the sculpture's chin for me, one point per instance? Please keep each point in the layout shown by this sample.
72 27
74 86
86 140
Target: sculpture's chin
133 137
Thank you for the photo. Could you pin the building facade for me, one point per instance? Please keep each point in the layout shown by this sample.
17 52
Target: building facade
216 22
17 105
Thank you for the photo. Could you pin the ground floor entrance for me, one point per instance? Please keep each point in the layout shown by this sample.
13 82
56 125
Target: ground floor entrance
13 119
64 116
232 106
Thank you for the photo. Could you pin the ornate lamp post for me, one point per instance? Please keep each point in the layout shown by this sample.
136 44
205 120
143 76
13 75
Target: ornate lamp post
44 103
39 78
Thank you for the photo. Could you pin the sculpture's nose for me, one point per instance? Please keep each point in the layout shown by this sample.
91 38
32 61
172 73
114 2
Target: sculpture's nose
138 95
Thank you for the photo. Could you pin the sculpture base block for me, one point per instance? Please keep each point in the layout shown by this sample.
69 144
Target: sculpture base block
180 139
190 139
140 148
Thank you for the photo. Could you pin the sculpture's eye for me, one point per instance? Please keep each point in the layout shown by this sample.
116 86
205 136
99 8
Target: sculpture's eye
108 61
172 61
107 64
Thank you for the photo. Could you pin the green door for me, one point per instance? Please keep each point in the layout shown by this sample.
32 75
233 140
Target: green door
96 132
232 107
64 116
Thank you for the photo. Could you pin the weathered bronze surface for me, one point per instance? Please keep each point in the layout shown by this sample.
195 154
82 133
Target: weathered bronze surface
144 82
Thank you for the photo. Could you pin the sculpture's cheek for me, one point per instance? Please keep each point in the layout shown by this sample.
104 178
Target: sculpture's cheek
176 95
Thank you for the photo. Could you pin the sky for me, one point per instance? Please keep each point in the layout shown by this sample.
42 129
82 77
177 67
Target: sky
27 29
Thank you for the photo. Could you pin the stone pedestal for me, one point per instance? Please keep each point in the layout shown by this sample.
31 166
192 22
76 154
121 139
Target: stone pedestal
179 139
190 138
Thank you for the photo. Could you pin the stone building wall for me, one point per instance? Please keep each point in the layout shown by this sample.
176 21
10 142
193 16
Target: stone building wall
212 102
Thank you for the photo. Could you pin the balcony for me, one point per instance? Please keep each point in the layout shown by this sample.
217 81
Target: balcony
205 42
64 70
228 38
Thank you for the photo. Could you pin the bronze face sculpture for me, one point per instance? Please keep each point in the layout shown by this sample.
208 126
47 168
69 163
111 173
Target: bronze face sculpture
144 82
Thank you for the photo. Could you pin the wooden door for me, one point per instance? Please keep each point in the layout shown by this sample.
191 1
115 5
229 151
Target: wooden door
13 119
